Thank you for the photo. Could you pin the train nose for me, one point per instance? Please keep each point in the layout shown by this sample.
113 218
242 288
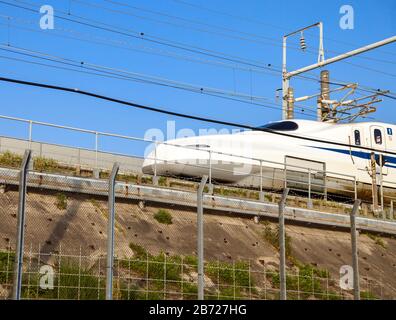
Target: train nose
148 164
176 158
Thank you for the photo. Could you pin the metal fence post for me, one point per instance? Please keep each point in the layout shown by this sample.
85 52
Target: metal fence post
79 157
298 284
325 184
200 238
261 196
374 183
30 130
155 178
110 233
17 288
282 249
96 170
382 186
310 204
210 173
355 258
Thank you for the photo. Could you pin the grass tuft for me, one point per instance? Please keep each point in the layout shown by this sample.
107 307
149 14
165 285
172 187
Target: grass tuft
42 164
377 240
61 201
271 235
163 216
10 159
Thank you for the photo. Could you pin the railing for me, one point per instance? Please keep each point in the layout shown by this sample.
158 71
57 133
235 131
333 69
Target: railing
258 177
388 201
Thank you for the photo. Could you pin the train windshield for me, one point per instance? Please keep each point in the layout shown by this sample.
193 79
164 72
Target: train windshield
281 126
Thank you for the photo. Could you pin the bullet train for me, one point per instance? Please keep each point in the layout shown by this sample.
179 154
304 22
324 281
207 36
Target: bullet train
306 149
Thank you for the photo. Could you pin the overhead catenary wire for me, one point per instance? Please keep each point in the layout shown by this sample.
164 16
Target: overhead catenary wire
126 45
275 41
199 22
79 70
314 79
122 73
85 64
187 116
150 50
260 22
222 34
200 7
255 64
126 75
313 52
145 37
304 108
136 80
158 40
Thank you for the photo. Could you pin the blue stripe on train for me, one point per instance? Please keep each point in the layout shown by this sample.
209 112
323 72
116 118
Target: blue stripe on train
361 154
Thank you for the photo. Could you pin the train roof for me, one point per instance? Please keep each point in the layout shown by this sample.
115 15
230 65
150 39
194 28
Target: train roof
302 125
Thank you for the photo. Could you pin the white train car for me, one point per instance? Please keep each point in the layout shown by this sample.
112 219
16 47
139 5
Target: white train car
339 151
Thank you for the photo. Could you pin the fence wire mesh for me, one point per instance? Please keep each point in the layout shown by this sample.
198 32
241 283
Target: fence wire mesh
156 246
163 277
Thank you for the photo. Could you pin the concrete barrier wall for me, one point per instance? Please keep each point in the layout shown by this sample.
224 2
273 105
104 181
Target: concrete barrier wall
72 156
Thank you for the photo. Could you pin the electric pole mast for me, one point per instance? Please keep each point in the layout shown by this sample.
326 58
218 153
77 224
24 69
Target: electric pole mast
287 112
323 109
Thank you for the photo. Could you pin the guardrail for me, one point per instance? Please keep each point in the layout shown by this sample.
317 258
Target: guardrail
306 183
90 186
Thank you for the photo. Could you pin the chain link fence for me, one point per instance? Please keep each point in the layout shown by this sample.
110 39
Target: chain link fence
160 277
64 253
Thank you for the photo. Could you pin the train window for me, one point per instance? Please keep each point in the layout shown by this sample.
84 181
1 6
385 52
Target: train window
357 138
281 126
378 136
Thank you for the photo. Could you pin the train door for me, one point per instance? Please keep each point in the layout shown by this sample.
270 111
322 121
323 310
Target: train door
378 142
357 138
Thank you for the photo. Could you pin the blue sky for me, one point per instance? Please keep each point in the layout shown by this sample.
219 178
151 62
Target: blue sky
267 20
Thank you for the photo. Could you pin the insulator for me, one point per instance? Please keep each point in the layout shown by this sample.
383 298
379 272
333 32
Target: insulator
302 43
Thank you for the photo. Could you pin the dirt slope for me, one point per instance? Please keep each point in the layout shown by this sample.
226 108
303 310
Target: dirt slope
80 223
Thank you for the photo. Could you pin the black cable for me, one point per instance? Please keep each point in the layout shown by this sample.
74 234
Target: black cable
132 104
379 92
136 79
182 115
